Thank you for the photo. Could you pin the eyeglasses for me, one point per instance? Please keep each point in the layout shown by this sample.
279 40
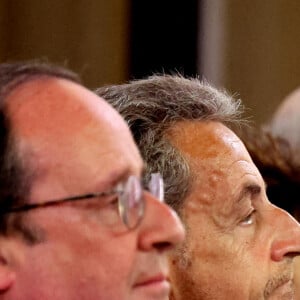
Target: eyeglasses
131 201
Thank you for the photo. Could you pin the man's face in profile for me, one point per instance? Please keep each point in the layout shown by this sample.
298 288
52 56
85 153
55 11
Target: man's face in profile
239 246
76 144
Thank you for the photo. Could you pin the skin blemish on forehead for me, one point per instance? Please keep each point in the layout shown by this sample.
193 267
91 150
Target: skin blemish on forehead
204 139
181 137
209 185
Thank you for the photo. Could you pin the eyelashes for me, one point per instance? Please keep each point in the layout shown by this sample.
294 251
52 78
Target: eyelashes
249 219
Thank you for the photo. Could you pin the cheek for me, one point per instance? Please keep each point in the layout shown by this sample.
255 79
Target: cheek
209 267
68 268
209 246
94 248
82 251
213 249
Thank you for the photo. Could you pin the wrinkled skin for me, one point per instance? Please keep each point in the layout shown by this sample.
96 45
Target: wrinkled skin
239 245
76 143
285 123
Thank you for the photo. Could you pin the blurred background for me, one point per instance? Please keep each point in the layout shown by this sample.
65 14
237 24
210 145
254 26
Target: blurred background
249 47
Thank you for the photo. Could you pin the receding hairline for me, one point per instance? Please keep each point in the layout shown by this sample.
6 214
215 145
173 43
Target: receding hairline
14 74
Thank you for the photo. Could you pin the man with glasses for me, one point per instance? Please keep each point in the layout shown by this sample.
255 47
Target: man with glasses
238 245
75 220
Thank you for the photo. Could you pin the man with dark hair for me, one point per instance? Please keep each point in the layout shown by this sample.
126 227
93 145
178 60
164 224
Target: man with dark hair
72 207
238 245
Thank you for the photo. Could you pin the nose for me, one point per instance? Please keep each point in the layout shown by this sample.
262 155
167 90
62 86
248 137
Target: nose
287 231
160 228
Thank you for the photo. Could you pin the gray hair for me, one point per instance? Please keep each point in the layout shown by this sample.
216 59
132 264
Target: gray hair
152 105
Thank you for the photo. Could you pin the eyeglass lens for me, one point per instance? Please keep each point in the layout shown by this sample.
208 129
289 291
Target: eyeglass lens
131 201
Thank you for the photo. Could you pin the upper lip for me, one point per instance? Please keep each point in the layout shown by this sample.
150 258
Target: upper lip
144 280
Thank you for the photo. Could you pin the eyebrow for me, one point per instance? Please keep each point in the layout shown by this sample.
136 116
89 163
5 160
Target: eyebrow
116 177
249 189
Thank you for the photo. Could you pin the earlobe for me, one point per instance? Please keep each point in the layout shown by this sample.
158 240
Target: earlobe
7 273
10 256
7 276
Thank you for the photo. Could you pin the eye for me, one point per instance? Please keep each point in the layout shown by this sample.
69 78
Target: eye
249 219
111 201
102 202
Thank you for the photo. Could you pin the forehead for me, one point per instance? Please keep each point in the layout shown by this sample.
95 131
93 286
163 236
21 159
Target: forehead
202 141
218 158
63 124
39 103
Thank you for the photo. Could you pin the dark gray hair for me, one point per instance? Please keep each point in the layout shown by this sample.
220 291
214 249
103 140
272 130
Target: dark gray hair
14 172
150 106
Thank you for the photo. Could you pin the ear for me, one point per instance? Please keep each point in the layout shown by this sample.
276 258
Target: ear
7 273
7 277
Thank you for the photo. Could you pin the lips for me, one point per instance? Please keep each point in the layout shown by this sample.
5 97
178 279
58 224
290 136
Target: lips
285 291
283 288
156 287
152 280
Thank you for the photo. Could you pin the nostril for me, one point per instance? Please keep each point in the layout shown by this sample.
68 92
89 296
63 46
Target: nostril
163 246
293 254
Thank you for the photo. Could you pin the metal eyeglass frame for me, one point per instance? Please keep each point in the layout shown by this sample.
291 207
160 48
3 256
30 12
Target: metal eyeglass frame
131 201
